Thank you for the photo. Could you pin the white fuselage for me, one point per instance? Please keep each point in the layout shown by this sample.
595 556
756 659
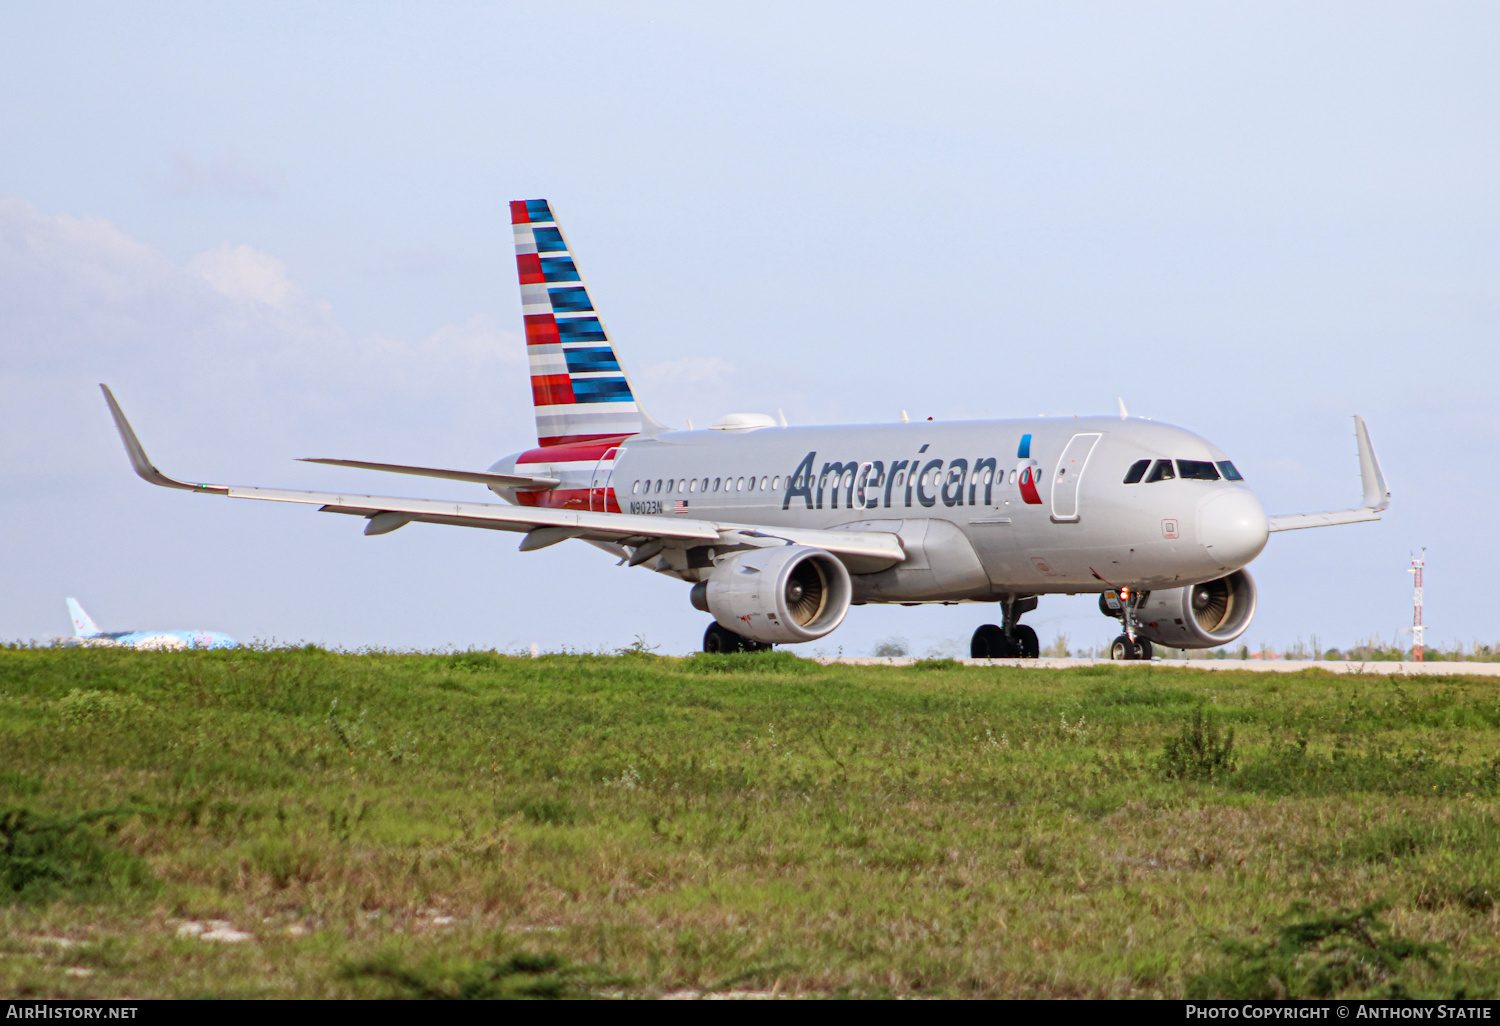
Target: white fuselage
982 509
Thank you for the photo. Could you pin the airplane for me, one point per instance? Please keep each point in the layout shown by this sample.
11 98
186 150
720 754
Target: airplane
85 633
779 530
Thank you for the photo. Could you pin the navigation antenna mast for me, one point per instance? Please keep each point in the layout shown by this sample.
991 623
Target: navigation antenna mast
1416 605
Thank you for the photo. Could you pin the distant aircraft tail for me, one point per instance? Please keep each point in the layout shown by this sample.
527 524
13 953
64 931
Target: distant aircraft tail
83 626
580 389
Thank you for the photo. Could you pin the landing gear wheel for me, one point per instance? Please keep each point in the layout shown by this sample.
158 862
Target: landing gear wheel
990 642
1123 648
721 640
1025 640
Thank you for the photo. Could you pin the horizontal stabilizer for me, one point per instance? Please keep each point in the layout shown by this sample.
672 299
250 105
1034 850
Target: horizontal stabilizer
519 481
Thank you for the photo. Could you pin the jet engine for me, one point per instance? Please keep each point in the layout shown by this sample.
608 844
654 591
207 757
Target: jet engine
1201 616
780 595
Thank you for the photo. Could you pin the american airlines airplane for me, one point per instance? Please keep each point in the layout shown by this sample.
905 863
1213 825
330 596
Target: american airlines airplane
779 530
85 633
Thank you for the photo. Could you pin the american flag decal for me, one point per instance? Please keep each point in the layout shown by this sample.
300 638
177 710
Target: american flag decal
679 506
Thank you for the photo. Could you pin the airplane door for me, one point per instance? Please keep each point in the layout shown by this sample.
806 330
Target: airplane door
1069 474
604 472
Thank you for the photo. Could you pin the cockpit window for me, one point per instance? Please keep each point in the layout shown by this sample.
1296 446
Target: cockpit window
1197 470
1227 469
1161 472
1137 471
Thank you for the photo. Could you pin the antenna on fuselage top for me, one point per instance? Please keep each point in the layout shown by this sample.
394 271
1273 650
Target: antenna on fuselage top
1123 414
904 418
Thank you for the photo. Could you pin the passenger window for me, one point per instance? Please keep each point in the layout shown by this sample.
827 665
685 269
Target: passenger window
740 487
1197 470
682 485
765 483
1137 471
671 487
635 488
716 484
658 486
1161 472
776 483
693 485
1230 474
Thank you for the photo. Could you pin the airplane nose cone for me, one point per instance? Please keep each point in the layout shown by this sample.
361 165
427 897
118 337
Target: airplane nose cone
1232 527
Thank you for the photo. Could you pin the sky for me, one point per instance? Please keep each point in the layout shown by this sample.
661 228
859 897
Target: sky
280 230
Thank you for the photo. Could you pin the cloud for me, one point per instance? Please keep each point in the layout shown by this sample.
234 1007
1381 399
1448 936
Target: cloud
226 175
235 350
241 272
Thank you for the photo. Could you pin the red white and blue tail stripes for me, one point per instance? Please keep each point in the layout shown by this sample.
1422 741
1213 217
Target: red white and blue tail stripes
579 388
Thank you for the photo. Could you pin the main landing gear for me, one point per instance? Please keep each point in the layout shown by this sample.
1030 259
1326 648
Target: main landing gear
721 640
990 642
1013 641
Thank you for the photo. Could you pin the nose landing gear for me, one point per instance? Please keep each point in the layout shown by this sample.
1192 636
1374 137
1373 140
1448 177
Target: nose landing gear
1121 605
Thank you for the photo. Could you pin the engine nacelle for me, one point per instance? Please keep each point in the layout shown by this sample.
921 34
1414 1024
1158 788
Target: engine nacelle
1202 616
780 595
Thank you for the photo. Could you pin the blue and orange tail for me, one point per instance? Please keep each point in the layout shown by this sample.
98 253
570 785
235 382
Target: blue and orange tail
582 393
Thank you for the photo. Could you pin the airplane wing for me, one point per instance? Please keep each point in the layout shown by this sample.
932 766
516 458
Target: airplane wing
1377 495
541 526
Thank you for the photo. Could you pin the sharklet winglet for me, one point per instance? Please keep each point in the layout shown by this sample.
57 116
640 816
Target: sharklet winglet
140 462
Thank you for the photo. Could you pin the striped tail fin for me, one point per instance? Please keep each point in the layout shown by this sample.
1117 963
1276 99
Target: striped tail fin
581 392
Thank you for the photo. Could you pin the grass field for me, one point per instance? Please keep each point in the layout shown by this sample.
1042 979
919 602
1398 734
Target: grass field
302 823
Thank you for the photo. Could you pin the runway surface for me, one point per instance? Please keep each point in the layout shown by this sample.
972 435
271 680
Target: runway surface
1409 669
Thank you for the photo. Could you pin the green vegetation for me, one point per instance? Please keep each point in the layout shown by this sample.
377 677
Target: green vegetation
307 823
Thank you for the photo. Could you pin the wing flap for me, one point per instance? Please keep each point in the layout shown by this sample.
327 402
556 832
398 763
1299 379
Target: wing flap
491 515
